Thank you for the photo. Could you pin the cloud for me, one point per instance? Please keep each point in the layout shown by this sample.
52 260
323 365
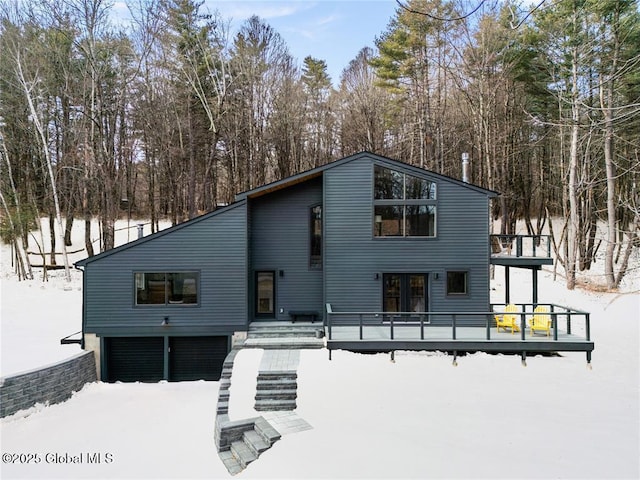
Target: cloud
240 10
328 20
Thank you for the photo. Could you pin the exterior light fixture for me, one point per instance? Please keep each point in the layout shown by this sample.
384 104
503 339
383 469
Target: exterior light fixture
165 321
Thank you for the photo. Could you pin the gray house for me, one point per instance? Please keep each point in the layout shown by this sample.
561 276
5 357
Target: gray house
364 233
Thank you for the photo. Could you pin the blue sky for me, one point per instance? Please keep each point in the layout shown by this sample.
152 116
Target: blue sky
330 30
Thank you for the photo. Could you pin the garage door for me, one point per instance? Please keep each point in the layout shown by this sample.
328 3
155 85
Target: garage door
196 358
135 359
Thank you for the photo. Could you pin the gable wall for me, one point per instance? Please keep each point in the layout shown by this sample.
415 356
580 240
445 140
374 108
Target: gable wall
353 256
215 246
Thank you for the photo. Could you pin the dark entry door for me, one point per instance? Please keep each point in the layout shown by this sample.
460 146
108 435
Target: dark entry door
266 294
405 292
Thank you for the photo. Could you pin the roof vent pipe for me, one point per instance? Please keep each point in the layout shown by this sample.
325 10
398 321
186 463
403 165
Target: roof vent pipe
465 167
140 230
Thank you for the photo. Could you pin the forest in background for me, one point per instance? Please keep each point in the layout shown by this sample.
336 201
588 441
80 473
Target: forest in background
172 114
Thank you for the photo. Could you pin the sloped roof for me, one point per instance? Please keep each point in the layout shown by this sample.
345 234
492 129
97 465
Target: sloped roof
316 172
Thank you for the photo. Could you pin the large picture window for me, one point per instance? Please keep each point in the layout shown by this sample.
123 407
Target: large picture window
166 288
404 205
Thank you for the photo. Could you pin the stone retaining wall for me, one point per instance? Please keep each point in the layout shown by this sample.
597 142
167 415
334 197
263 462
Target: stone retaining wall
52 384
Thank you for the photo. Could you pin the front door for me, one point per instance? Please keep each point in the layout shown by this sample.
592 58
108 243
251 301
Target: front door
265 294
405 292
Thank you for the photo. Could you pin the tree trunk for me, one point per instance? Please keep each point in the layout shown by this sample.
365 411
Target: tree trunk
67 230
52 234
574 222
47 156
606 103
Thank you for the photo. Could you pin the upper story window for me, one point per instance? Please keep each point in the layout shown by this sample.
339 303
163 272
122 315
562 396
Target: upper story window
404 205
315 238
166 288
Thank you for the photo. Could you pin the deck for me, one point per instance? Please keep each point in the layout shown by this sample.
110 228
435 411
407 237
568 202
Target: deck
531 251
457 332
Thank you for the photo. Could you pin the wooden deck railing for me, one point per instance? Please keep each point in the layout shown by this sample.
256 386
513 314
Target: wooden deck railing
525 245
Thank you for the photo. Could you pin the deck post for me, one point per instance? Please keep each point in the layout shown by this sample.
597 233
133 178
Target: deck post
569 323
588 328
360 317
507 288
454 326
554 321
534 271
391 316
421 327
488 327
535 240
524 359
522 323
589 359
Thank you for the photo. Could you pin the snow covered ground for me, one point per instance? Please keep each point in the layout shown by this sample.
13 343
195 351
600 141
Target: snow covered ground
419 417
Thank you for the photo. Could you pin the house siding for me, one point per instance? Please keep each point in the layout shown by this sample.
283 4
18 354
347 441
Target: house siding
279 238
215 246
353 256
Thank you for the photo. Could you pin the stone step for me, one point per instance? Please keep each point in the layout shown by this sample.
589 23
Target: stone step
230 462
283 333
255 442
275 405
266 431
268 325
243 453
298 343
277 384
277 374
276 394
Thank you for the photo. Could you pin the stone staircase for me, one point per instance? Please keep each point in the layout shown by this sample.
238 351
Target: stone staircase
242 442
276 391
285 335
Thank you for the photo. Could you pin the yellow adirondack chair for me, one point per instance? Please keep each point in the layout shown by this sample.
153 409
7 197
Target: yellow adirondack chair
508 319
541 321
